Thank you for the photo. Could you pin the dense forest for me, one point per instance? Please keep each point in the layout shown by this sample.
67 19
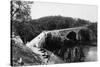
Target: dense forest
30 29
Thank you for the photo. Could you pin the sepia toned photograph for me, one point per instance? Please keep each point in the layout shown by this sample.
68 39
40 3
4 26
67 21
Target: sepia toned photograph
45 33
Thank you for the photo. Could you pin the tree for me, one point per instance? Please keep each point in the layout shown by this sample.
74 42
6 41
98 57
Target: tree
20 10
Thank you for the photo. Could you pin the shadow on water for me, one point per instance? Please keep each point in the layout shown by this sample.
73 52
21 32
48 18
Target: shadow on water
71 49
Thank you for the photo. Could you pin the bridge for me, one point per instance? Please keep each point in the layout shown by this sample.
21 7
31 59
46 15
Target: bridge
63 33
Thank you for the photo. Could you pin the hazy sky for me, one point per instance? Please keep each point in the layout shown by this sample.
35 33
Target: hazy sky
41 9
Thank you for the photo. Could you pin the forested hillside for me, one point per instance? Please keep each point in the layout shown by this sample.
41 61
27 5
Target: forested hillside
30 29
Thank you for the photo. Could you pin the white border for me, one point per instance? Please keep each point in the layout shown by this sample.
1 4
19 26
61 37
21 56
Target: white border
5 32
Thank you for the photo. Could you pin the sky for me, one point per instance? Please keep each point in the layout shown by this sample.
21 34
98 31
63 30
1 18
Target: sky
42 9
